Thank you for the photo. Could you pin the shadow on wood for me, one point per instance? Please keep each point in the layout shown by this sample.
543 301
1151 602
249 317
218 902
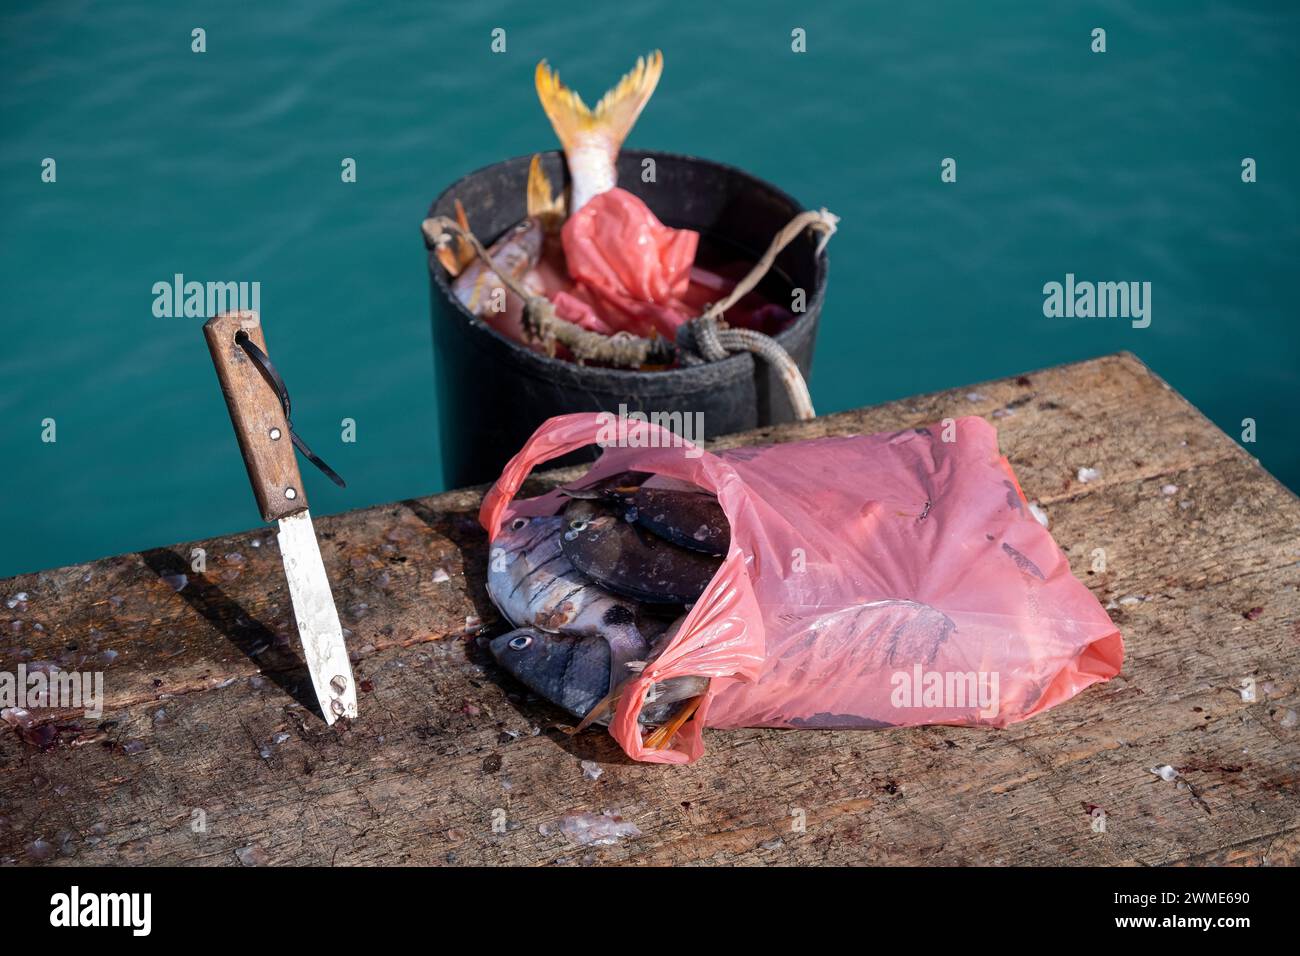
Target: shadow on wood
258 642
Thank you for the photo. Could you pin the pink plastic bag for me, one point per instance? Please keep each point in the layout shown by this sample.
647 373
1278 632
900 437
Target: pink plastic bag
630 270
884 580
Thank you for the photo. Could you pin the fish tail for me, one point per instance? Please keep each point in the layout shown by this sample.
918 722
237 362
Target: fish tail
618 109
614 115
543 204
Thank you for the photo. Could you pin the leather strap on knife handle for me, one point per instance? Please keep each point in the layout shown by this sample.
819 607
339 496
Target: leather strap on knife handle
259 420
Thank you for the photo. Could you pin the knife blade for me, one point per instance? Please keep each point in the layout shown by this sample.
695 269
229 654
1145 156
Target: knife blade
265 440
318 620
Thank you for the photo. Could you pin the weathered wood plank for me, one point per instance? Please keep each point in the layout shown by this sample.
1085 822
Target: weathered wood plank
1060 420
1204 580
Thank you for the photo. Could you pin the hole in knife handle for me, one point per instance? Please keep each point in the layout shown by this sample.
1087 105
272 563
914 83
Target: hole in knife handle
339 684
337 706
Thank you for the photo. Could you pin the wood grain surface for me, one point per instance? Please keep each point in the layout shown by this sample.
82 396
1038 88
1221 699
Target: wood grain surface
208 751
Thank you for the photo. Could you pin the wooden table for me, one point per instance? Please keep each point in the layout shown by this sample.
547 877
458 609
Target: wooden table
205 753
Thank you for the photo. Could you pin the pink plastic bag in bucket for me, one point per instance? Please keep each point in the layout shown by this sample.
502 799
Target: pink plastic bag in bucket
872 581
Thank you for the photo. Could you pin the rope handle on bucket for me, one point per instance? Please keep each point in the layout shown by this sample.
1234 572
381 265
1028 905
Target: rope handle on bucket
713 340
708 335
540 321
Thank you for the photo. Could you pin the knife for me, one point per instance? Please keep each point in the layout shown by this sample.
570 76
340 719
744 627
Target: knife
259 410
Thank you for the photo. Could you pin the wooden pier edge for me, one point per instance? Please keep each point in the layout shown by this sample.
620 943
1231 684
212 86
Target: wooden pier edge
207 751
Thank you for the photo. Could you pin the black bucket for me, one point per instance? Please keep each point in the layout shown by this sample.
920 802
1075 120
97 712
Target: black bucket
493 392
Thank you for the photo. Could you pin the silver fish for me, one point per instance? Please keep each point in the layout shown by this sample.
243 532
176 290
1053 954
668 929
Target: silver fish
573 673
534 586
479 289
516 253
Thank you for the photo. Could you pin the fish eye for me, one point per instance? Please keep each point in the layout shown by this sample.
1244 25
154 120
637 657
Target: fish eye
578 524
522 227
520 642
519 524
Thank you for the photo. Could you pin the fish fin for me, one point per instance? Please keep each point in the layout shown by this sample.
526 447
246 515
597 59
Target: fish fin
543 204
604 706
456 261
613 116
464 251
625 646
449 260
662 737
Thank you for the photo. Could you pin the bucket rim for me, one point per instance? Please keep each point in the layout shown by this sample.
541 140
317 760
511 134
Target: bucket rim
735 366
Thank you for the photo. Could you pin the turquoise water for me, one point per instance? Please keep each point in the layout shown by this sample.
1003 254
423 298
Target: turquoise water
225 166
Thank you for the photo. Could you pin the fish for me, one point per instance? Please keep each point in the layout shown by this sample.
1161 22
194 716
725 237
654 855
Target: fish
685 518
629 561
875 634
479 289
573 673
623 483
458 253
575 641
592 138
685 515
517 253
829 721
535 586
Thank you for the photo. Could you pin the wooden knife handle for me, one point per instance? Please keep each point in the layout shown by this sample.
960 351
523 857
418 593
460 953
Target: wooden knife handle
255 411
